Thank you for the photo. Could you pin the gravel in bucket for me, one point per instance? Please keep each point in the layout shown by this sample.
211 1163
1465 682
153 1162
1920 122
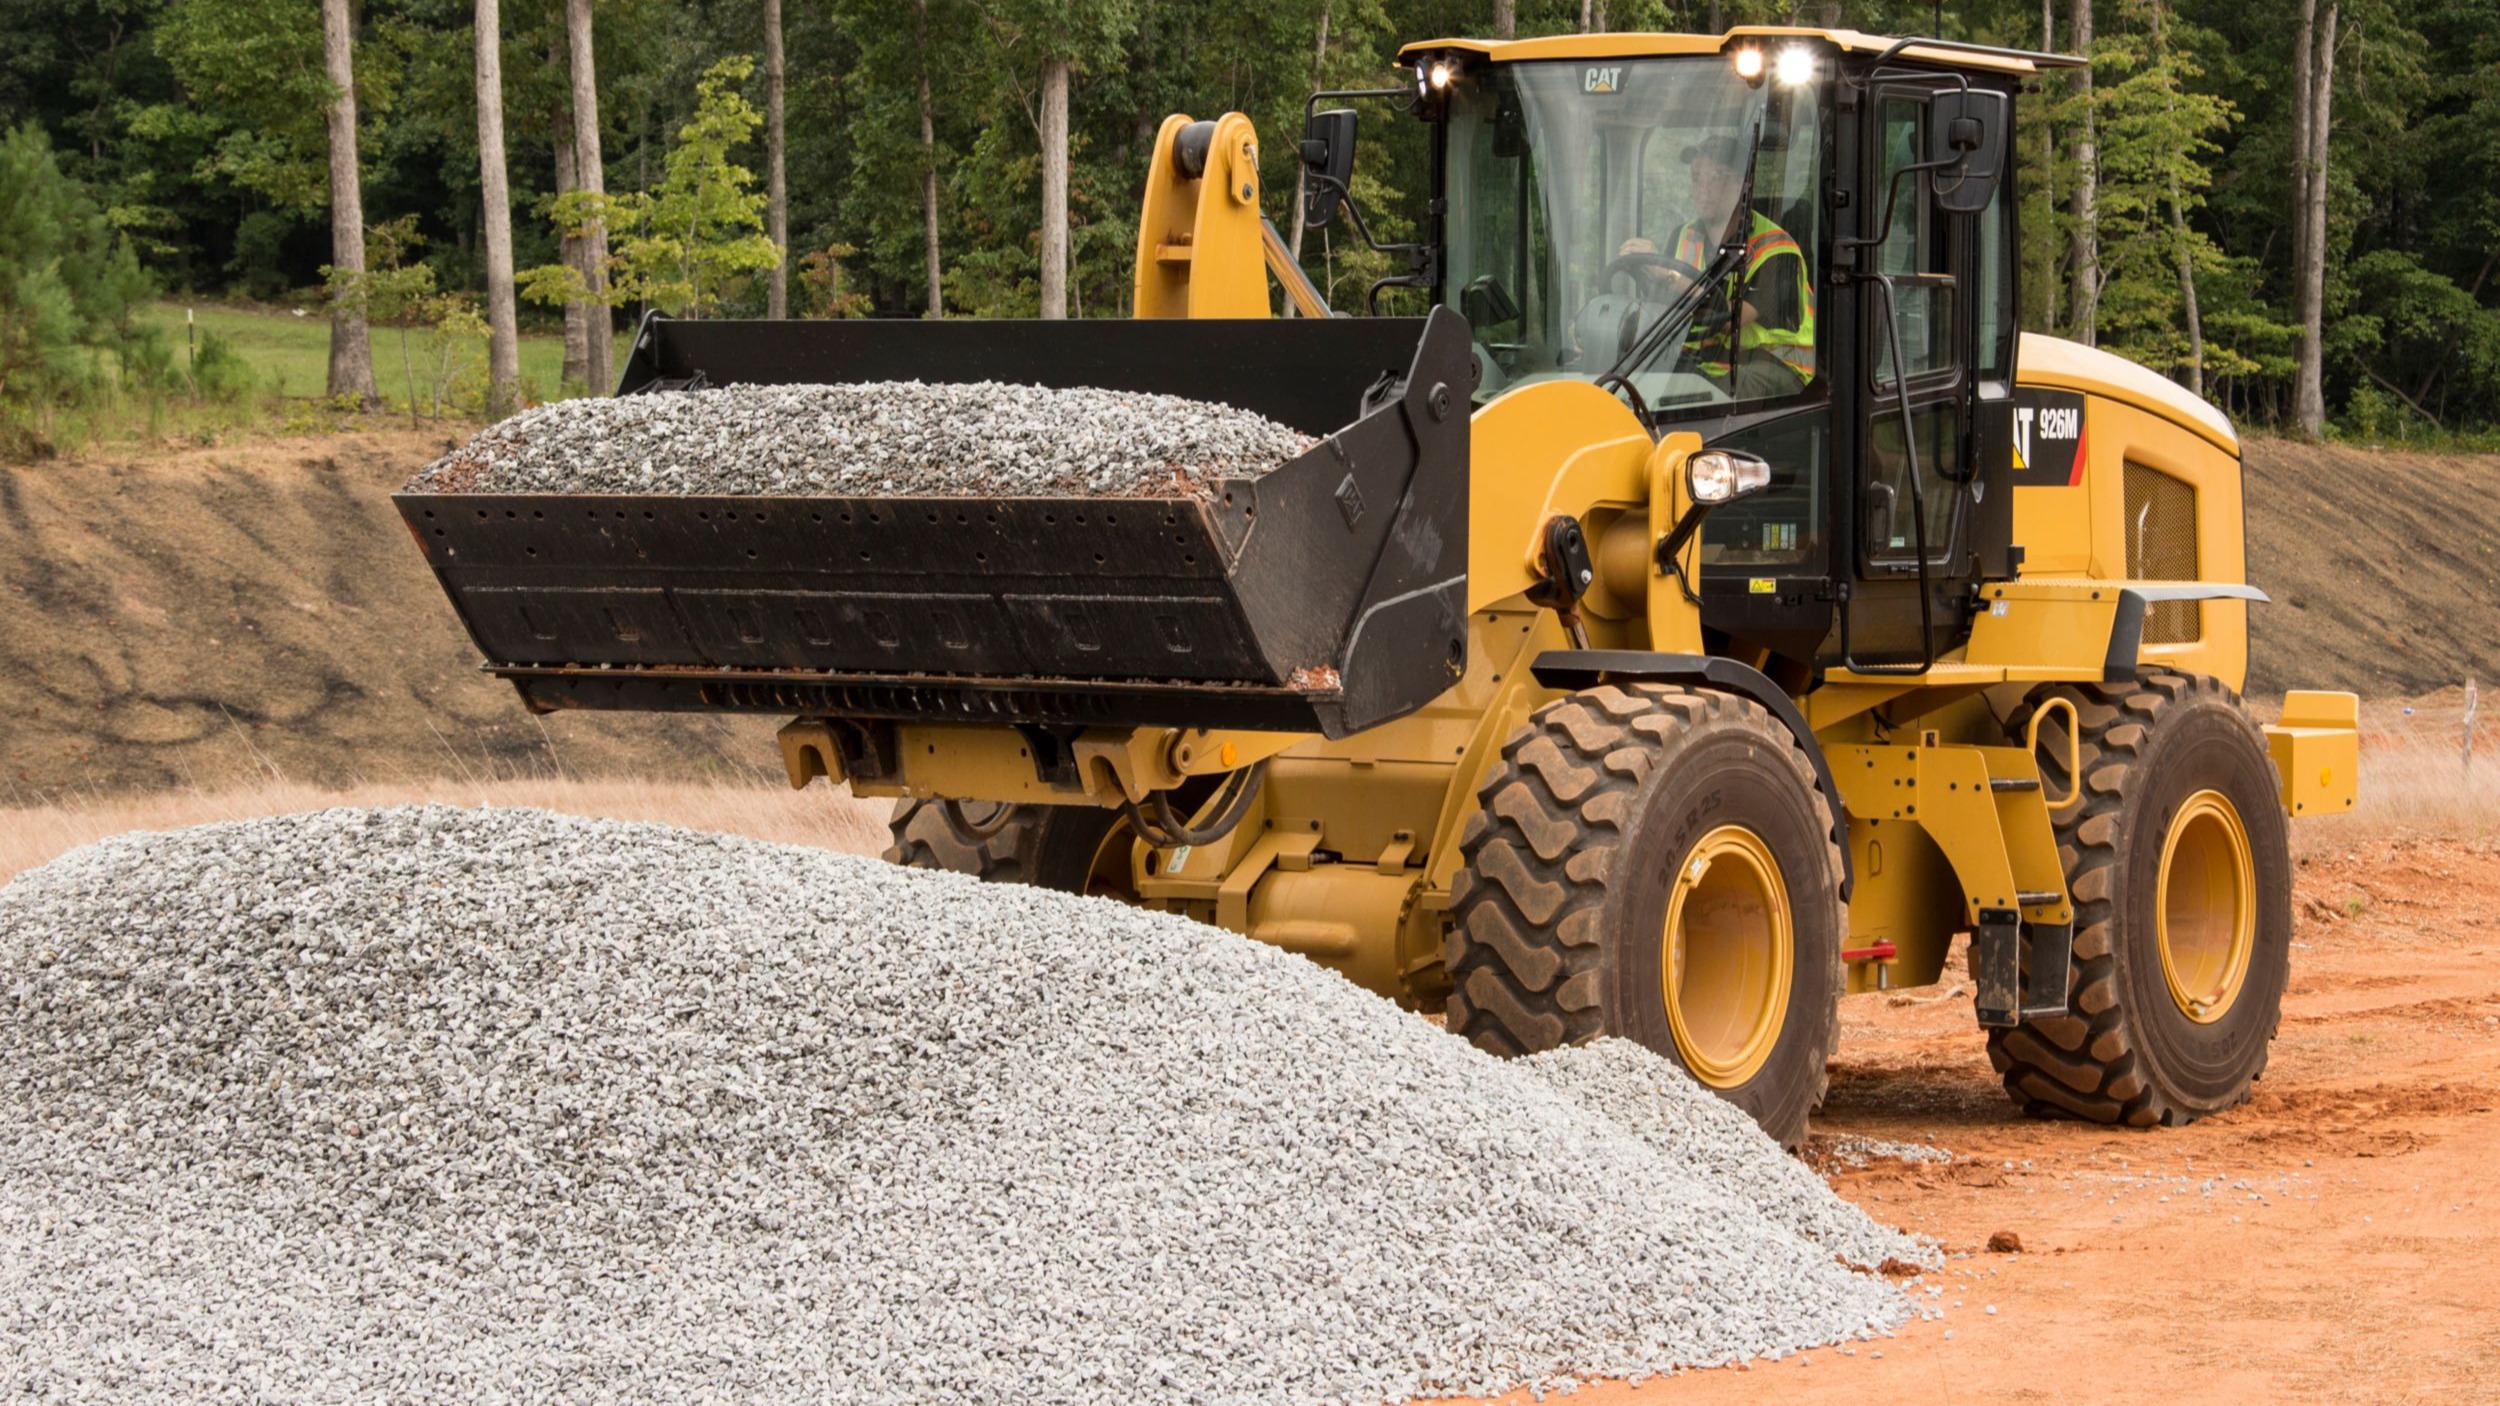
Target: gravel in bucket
875 439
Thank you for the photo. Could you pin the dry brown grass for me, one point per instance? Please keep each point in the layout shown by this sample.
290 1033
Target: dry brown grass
2411 786
835 820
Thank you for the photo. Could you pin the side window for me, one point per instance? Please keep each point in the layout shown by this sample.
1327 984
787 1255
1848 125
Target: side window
1912 453
1992 349
1914 244
1893 524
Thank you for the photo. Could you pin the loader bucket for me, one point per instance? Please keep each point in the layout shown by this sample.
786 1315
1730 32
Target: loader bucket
1326 595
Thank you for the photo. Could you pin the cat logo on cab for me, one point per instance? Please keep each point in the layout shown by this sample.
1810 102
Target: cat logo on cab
1600 80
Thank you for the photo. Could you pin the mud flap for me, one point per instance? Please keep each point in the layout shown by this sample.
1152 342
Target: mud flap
2020 970
1996 966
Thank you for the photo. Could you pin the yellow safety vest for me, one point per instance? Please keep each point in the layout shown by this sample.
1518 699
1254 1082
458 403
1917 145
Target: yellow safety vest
1793 346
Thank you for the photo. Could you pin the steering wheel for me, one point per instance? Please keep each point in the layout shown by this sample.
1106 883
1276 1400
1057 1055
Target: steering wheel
1640 259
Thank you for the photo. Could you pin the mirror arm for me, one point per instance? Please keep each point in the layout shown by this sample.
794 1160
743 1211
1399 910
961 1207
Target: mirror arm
1892 202
1423 261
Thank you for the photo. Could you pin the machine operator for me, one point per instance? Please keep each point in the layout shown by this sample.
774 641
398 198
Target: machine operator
1775 338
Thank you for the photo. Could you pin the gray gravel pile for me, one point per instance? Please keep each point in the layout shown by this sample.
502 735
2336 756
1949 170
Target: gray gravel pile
433 1104
1703 1137
884 438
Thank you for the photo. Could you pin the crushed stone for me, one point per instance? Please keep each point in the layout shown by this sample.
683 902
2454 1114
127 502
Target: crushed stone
871 439
486 1105
1702 1137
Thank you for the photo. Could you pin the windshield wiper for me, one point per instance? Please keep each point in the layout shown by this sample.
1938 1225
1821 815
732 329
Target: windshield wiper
1679 313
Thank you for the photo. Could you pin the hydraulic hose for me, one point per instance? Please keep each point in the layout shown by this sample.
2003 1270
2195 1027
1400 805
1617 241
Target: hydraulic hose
1158 825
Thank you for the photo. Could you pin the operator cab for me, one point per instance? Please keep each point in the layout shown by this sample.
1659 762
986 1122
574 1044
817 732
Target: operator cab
1795 243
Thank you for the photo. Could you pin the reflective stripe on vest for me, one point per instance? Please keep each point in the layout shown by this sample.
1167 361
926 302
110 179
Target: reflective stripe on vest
1794 348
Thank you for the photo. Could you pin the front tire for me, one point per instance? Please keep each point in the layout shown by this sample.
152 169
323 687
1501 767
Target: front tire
2179 862
1656 863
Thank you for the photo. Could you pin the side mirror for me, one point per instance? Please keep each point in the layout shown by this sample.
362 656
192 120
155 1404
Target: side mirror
1327 151
1487 303
1966 141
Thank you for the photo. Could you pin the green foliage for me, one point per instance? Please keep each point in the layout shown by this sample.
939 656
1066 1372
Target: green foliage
694 239
440 335
68 289
2156 136
219 373
196 128
825 285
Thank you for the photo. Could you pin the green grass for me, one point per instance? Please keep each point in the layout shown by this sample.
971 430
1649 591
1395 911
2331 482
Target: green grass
293 353
289 360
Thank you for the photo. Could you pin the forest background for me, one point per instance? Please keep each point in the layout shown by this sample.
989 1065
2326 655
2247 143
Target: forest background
2292 206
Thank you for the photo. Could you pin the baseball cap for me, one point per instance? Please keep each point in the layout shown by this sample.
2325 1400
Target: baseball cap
1721 150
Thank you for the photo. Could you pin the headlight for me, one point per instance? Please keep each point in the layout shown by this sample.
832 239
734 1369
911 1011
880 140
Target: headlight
1749 63
1796 66
1722 476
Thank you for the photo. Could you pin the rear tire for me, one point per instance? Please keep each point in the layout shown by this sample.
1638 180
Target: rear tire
1074 848
1656 863
2179 862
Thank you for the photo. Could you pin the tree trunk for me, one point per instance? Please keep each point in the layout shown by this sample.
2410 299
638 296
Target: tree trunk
2048 166
503 335
568 180
351 349
2183 243
2187 290
2301 75
1588 15
1055 188
2086 270
590 171
929 173
1319 65
1505 19
776 181
2309 388
576 316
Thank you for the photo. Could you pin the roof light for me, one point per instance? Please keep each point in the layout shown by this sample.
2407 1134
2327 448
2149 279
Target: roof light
1795 66
1442 73
1749 63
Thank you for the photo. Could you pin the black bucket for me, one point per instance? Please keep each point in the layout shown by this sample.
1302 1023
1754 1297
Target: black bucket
1326 595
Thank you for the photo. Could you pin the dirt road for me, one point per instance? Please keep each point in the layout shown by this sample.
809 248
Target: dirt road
2336 1240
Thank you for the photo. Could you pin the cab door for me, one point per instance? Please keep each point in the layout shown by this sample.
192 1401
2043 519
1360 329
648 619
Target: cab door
1932 386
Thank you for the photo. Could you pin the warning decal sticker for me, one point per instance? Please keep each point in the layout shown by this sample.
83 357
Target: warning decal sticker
2048 438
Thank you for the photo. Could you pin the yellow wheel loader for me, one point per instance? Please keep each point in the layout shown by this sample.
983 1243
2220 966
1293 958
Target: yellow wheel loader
1709 606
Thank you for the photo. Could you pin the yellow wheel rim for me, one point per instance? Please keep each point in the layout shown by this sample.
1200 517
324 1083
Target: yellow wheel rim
2205 908
1112 871
1729 956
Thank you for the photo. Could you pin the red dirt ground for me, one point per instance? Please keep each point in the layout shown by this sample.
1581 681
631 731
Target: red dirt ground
2337 1239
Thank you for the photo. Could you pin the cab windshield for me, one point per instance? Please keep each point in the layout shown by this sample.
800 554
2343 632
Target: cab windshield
1587 198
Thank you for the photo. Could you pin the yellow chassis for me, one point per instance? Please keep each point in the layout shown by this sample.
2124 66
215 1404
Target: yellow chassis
1350 851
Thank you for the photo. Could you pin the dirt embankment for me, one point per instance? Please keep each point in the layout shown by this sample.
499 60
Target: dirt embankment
221 616
2384 566
240 615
